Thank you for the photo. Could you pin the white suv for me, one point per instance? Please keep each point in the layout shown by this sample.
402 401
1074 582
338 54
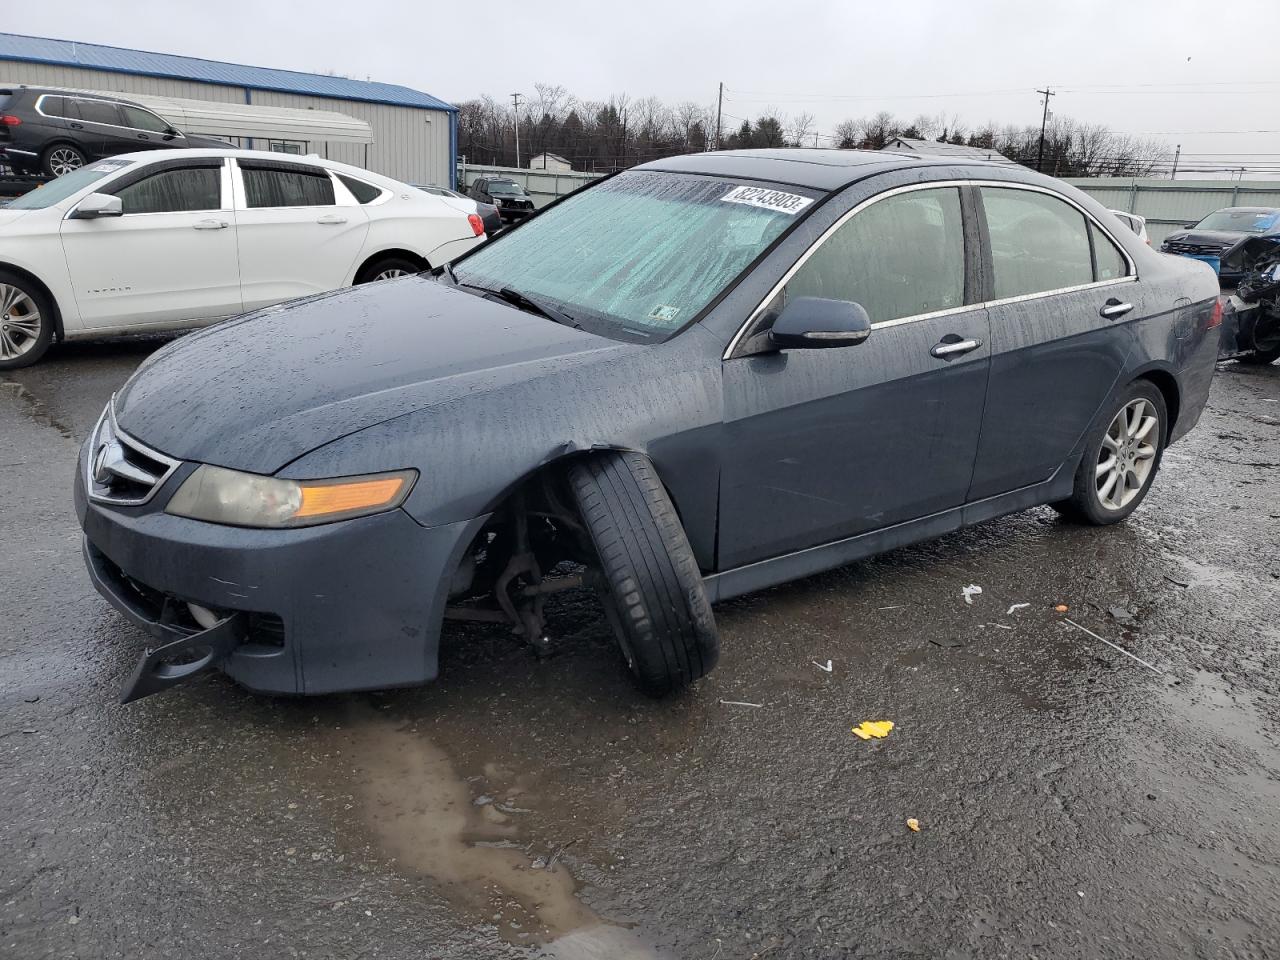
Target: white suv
167 239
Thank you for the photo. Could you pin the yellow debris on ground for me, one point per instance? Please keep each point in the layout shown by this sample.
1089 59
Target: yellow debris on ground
913 824
877 729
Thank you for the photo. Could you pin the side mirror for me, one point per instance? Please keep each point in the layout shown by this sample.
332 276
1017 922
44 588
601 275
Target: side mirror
173 134
808 322
96 206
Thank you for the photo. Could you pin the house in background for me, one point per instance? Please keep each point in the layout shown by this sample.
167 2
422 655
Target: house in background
551 162
934 148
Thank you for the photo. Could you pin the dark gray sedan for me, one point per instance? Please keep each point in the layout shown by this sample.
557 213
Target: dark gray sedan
694 379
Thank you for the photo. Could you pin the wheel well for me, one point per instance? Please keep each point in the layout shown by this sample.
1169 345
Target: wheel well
1167 384
62 142
39 284
393 254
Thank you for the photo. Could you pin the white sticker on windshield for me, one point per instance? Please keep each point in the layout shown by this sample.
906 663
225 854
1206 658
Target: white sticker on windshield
775 200
109 166
663 314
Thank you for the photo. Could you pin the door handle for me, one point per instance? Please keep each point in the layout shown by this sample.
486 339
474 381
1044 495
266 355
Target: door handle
77 126
143 136
953 348
1114 308
209 225
331 220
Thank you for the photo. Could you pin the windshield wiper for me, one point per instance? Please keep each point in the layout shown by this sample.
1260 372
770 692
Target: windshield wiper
526 302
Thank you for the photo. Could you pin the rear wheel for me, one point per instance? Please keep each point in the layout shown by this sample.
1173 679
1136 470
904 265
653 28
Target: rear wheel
649 580
26 322
61 158
1121 459
389 268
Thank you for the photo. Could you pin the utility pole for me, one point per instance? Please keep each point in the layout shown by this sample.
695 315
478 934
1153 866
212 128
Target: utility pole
515 99
719 108
1044 122
1173 174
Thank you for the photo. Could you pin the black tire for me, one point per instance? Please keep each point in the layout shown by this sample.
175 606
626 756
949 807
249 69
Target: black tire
1085 504
651 586
14 335
50 157
375 270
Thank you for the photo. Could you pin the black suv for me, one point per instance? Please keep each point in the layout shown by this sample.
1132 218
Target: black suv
507 195
52 132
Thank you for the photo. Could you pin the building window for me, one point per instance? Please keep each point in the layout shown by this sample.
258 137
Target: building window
295 147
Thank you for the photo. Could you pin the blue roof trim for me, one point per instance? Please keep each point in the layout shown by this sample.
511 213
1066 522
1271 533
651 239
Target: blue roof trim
92 56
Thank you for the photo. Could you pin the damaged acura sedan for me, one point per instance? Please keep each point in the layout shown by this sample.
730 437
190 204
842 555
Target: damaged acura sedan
694 379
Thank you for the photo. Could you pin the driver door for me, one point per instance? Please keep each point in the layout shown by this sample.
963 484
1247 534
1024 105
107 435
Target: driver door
171 256
829 443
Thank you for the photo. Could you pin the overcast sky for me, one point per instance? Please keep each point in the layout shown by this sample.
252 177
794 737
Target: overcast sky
1173 68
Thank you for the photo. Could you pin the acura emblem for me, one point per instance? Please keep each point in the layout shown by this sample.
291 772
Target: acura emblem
101 464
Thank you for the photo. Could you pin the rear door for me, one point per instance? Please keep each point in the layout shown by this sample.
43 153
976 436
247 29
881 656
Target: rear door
1060 333
170 258
298 234
102 127
830 443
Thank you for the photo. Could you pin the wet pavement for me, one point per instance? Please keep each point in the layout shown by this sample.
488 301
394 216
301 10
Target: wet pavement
1072 801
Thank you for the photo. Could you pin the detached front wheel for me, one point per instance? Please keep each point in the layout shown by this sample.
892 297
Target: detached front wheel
649 580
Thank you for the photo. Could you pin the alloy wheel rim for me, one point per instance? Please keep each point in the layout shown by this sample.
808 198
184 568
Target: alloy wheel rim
20 322
1128 454
391 273
64 161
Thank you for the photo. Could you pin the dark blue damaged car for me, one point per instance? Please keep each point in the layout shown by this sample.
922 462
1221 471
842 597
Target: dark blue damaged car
694 379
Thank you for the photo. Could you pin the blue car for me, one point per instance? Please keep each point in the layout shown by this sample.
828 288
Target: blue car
694 379
1213 237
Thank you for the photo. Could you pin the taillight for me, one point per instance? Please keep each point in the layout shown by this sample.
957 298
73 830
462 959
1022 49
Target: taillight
477 225
1215 318
9 120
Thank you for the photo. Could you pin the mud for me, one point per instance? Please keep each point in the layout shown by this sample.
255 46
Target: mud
1072 803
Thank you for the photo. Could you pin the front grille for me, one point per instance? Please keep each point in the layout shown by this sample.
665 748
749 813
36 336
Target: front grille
1201 249
120 469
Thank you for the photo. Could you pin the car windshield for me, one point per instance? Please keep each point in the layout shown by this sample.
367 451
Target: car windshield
640 255
1241 221
67 184
505 188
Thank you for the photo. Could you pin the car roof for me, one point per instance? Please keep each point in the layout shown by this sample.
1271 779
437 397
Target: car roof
1248 210
821 169
198 153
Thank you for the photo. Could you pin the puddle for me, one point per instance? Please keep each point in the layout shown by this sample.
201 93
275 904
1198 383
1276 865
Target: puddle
35 408
470 846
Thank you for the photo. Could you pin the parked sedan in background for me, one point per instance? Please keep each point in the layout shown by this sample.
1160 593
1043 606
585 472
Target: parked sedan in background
488 212
178 238
701 377
51 132
1213 237
505 194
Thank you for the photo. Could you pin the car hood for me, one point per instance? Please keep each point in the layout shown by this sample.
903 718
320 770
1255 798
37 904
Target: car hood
260 391
8 216
1223 238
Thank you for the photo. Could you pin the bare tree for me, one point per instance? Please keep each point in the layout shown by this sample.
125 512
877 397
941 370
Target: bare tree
802 129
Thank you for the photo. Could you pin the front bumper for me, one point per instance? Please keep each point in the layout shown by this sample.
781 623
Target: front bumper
352 605
513 214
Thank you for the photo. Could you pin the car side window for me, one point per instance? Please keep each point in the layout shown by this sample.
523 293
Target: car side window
1107 258
363 192
1038 242
900 257
98 111
174 191
144 120
54 106
292 187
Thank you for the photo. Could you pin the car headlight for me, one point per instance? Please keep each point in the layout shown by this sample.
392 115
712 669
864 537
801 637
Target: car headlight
219 495
497 202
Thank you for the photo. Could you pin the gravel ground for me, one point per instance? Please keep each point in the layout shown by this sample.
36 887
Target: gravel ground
1072 802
